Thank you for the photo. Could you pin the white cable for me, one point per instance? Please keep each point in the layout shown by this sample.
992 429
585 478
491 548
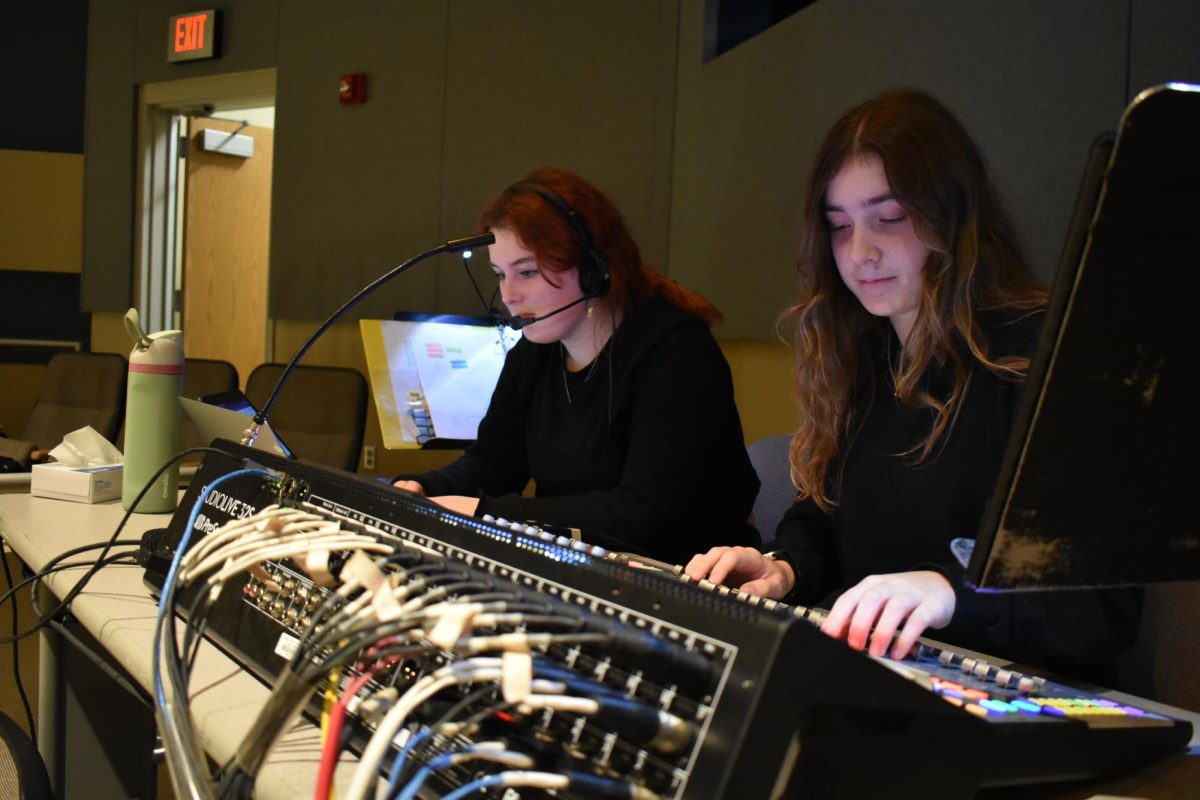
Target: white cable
252 542
539 780
273 522
460 672
231 531
282 550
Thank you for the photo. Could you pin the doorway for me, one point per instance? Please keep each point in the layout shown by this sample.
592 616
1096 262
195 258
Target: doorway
204 228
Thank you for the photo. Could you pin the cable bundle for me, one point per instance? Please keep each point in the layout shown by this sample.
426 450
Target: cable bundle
444 667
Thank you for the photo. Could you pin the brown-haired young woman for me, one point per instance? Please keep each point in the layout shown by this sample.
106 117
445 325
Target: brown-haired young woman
617 402
916 322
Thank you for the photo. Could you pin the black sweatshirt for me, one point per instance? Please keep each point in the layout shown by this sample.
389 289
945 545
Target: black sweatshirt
641 450
896 515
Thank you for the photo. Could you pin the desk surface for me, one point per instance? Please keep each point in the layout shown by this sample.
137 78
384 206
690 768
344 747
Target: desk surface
118 610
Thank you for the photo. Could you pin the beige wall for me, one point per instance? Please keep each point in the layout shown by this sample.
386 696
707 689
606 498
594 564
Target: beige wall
41 211
762 386
41 228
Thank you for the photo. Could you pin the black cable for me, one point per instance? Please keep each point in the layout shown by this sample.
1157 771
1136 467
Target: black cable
193 635
487 310
312 645
83 581
117 559
353 639
16 653
454 245
320 664
51 567
101 660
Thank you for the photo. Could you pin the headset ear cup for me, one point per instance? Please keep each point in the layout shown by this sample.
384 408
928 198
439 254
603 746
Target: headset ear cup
594 278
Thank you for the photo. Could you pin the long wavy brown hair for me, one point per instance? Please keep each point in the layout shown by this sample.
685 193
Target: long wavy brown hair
975 266
544 230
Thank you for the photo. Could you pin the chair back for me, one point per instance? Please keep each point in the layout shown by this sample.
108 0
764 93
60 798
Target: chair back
78 389
1165 659
320 413
23 773
203 376
776 494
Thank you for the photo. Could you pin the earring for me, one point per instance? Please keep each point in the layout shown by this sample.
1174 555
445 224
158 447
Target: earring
589 309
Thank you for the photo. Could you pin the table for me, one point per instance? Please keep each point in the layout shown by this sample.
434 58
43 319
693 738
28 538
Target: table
118 612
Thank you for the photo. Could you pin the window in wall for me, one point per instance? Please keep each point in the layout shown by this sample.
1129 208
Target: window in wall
728 23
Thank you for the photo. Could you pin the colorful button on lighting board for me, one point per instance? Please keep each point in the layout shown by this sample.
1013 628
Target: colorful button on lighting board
998 706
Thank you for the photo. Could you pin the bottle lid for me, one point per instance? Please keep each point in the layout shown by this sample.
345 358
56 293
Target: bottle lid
161 352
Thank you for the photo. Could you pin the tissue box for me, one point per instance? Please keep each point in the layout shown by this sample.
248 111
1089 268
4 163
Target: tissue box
81 484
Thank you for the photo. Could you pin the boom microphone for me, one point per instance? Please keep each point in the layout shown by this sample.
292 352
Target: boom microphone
517 323
452 246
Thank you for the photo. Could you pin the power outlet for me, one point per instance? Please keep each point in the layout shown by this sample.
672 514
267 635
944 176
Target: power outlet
368 456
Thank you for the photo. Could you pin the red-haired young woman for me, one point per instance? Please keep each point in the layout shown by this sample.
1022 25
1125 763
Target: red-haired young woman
617 402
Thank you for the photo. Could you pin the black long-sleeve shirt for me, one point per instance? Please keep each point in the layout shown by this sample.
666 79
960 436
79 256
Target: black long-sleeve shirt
642 450
894 514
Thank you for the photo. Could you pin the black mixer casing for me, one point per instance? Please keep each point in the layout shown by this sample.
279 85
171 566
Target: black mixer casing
786 711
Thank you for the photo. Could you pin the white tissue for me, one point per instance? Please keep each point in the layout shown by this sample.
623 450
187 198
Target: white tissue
86 448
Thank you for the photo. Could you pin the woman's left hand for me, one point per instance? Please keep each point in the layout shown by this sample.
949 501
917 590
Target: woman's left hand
458 503
914 600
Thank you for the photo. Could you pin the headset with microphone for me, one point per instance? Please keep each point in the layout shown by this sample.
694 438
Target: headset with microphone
594 277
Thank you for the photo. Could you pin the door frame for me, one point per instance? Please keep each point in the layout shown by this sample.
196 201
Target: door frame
158 258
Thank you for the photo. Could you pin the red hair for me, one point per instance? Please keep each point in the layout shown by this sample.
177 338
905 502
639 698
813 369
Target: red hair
545 231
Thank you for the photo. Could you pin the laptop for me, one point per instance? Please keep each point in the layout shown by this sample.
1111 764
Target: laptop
227 415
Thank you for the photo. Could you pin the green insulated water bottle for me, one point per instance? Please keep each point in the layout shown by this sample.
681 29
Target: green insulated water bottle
152 417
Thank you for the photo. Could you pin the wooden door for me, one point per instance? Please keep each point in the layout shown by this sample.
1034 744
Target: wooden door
227 216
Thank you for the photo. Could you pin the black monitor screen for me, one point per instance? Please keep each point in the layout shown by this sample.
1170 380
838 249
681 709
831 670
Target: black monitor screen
1098 485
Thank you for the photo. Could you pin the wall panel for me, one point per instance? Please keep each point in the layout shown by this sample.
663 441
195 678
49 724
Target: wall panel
357 187
1034 82
584 86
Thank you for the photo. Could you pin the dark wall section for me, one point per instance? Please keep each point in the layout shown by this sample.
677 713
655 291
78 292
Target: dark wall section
39 316
249 35
1034 83
463 98
109 174
42 55
1164 43
587 86
357 188
127 48
707 160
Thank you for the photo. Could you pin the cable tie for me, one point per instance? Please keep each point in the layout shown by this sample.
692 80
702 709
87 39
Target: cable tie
568 703
362 568
516 676
316 564
452 622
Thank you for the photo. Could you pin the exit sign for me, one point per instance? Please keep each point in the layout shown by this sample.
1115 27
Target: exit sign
192 36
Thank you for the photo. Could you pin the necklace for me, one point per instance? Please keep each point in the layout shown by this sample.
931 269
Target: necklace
591 370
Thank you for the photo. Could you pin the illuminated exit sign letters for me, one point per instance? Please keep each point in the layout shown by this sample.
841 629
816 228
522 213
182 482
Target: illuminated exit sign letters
192 36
